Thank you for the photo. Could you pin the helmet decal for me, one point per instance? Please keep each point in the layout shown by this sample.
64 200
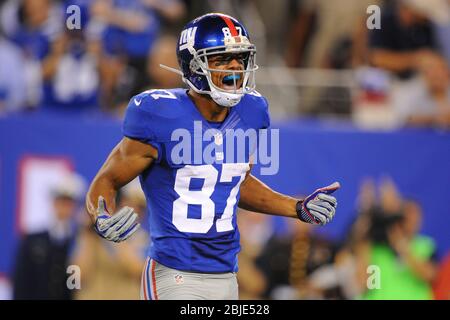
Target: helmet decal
232 29
187 38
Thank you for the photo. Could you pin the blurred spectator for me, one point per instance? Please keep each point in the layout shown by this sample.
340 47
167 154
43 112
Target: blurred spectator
442 284
371 107
112 270
163 52
12 80
442 32
132 27
406 259
348 273
321 37
70 73
385 234
322 33
441 24
427 102
255 230
406 36
391 91
33 25
288 260
42 258
420 246
117 84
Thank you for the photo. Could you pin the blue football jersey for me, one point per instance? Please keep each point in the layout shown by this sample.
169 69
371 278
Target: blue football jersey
192 200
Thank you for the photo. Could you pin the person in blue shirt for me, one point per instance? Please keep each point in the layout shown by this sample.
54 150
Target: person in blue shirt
33 25
179 143
12 79
131 27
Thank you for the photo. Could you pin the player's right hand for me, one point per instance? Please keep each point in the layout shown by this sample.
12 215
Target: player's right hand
117 227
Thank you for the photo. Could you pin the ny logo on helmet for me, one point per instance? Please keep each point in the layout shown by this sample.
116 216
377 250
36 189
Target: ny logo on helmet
187 38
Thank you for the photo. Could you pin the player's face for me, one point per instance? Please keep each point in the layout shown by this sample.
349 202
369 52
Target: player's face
230 61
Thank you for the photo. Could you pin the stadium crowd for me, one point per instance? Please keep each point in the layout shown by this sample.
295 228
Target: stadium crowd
401 76
295 263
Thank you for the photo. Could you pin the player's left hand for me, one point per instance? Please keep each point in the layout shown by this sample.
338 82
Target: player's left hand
117 227
319 207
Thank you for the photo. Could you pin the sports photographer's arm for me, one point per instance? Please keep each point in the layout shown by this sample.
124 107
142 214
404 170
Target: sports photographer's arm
423 268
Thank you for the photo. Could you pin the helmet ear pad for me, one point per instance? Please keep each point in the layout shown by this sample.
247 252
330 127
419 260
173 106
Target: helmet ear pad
198 76
194 66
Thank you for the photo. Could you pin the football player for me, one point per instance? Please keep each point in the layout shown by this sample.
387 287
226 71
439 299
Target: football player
192 203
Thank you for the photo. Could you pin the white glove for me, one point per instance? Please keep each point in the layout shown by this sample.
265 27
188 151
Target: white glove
319 207
118 227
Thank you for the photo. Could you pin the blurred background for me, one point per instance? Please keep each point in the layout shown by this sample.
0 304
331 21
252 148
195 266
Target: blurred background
360 90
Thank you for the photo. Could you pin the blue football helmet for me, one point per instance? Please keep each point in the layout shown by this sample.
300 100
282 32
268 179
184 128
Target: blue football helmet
211 35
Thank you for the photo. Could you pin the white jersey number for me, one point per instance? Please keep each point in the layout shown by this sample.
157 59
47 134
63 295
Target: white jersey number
202 197
160 93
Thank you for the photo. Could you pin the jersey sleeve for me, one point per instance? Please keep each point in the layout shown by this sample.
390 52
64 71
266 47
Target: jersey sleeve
139 123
